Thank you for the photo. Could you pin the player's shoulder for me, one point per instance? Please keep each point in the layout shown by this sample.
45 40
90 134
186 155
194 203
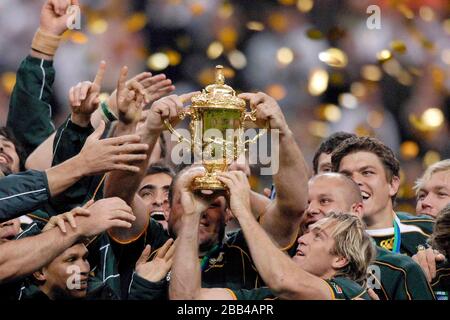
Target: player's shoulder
396 261
344 288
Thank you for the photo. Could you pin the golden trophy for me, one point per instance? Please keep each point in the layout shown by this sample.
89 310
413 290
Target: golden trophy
218 119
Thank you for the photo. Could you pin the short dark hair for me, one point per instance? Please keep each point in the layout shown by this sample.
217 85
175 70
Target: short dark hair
368 144
8 134
328 145
440 239
160 167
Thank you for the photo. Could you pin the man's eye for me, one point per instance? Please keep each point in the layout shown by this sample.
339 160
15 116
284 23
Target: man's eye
421 196
442 194
325 201
367 173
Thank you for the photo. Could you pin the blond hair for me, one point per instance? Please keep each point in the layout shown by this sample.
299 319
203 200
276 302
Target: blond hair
440 166
351 242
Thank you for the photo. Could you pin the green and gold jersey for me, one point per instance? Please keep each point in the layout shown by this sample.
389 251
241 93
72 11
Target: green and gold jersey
441 283
397 277
341 288
415 230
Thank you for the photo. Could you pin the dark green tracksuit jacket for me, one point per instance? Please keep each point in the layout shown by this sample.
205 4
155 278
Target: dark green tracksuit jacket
29 115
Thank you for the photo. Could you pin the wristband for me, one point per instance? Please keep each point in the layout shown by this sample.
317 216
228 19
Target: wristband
45 43
110 117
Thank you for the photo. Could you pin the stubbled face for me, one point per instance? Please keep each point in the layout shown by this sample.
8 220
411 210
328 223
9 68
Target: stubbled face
154 190
9 159
366 169
211 223
9 230
324 163
71 268
325 195
314 250
434 194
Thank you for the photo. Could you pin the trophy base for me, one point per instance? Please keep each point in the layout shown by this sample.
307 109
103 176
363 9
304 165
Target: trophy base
207 182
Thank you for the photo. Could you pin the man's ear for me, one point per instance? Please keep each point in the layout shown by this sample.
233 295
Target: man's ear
339 263
39 275
358 209
394 185
228 215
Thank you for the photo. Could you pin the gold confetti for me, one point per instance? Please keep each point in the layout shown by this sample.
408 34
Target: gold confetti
158 61
314 34
285 55
8 81
426 13
398 46
409 150
405 11
445 56
358 89
392 68
215 49
318 128
228 36
334 57
98 26
318 82
332 113
375 119
430 158
78 37
446 26
278 22
287 2
136 22
277 91
226 10
433 117
255 26
174 57
237 59
197 9
384 55
347 100
371 72
305 5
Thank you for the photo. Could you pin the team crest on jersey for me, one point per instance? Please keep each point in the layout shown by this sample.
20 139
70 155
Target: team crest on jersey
213 261
336 288
387 244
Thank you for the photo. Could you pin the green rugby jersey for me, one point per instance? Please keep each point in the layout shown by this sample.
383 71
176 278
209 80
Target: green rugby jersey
441 283
415 230
341 288
397 277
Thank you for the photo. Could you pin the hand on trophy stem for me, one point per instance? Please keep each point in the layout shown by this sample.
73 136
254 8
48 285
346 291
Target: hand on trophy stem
239 189
193 203
267 110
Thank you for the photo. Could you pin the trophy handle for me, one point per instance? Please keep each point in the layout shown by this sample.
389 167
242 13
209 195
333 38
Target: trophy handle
251 116
182 115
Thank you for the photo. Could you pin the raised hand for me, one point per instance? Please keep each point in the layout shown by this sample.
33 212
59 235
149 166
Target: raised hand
267 109
84 97
130 98
119 153
156 269
54 16
61 219
107 213
166 108
155 87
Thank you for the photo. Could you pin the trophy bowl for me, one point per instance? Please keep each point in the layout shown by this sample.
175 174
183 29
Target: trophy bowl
217 130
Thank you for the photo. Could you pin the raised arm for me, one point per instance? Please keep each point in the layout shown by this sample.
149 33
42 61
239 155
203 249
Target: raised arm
125 185
21 257
282 217
279 272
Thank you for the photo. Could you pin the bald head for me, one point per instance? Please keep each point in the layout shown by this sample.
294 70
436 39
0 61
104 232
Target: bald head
341 184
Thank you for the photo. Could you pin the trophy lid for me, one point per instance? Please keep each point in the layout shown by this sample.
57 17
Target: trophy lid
218 95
